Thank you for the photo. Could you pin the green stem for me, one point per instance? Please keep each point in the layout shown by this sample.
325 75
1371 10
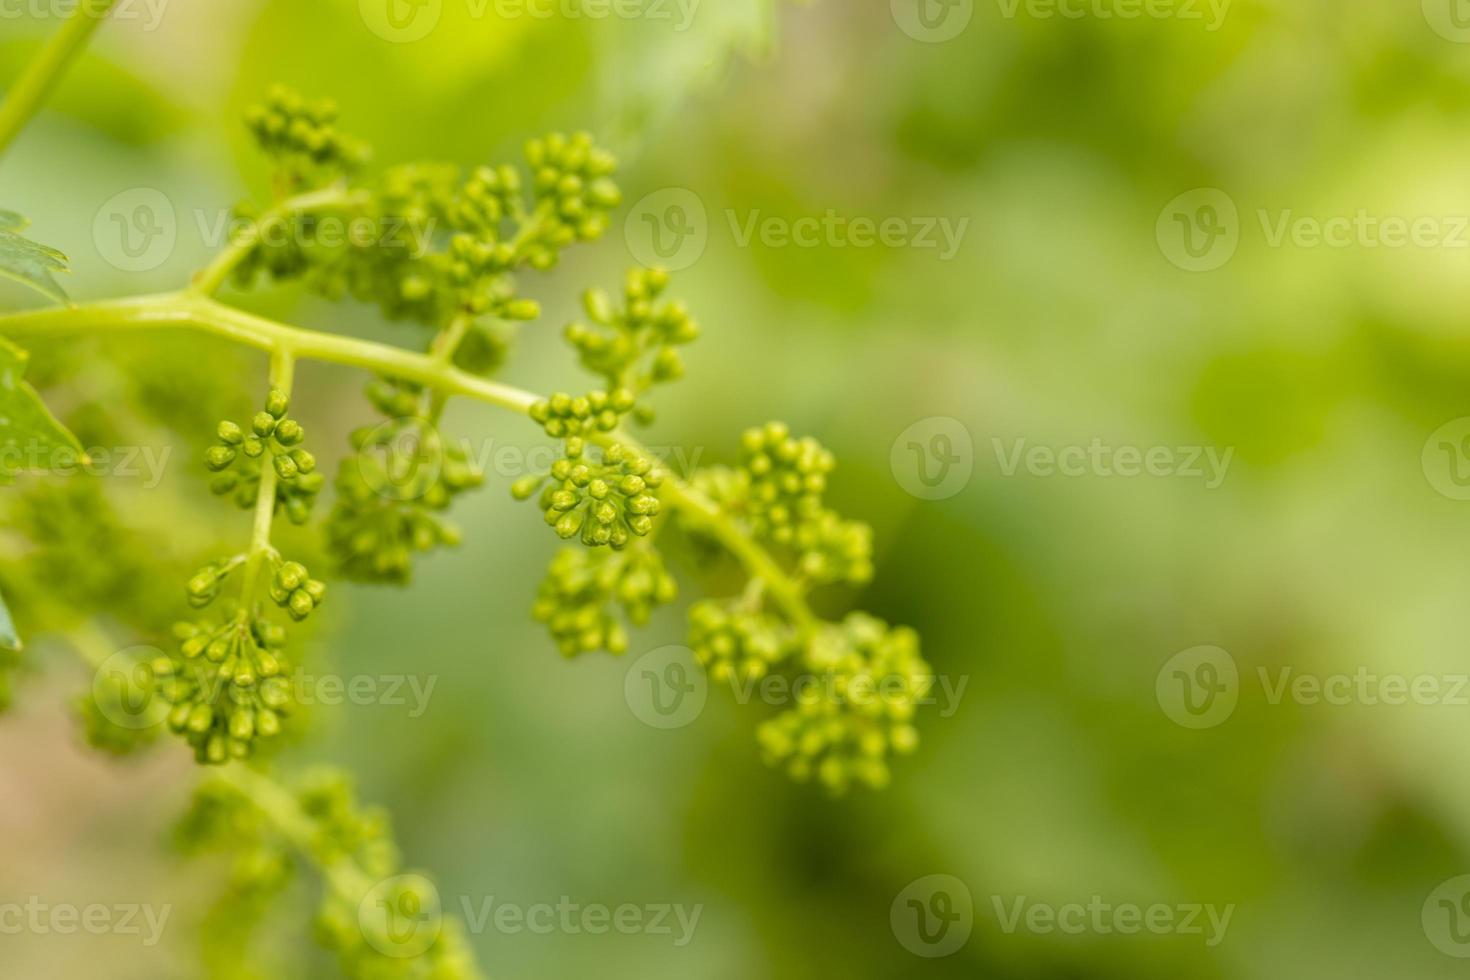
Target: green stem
281 808
33 86
211 278
193 311
283 368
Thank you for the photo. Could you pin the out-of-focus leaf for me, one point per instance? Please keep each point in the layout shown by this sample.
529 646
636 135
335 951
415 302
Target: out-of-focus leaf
29 262
9 639
27 429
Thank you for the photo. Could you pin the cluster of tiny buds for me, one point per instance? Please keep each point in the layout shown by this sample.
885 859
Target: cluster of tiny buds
288 125
563 416
617 341
573 177
271 434
607 503
475 268
227 691
293 589
203 587
787 478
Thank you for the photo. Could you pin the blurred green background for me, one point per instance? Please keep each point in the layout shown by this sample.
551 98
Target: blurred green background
1062 317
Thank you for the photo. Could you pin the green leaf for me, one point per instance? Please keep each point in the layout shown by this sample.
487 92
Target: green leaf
9 639
29 262
28 431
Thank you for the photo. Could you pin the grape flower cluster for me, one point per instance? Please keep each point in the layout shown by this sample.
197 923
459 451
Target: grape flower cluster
273 439
394 490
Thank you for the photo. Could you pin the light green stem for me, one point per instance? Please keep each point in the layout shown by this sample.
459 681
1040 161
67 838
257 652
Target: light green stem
193 311
211 278
283 368
31 89
281 808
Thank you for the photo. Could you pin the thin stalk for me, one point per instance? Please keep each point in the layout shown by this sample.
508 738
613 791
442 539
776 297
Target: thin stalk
278 804
35 84
211 278
283 368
